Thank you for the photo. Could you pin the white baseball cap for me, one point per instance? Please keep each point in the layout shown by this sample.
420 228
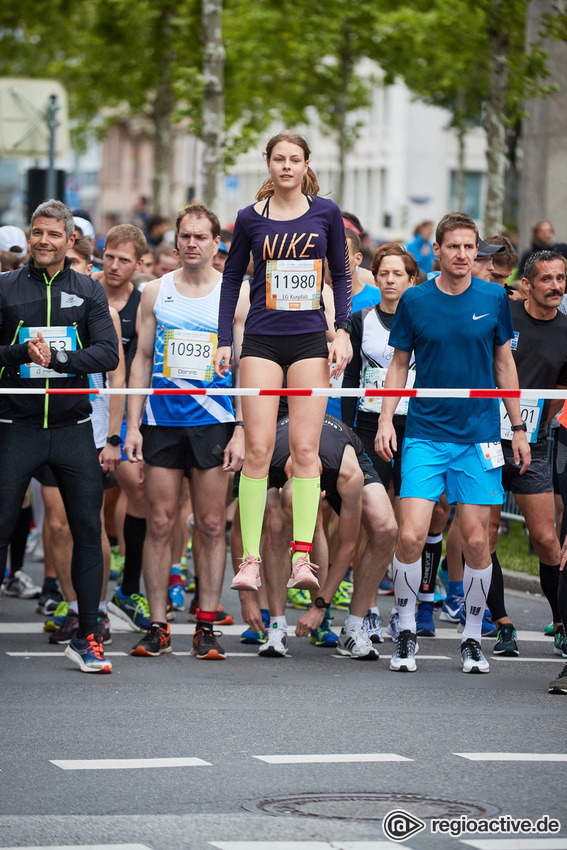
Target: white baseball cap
85 225
13 239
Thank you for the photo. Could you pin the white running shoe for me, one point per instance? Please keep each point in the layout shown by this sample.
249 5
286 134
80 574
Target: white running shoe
473 659
22 586
372 626
276 645
357 644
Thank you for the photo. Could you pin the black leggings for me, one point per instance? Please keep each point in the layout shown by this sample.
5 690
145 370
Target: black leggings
71 454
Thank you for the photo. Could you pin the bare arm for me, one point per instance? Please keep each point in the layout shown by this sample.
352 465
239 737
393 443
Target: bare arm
141 371
234 451
386 441
110 456
506 378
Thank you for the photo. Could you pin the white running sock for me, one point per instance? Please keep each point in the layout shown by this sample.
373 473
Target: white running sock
353 622
278 623
476 584
407 579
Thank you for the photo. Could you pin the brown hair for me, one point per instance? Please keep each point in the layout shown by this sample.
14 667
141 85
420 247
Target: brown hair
453 221
354 240
309 186
508 256
198 211
82 246
127 234
393 249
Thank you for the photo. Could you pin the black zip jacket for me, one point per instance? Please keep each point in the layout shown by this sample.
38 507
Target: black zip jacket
29 299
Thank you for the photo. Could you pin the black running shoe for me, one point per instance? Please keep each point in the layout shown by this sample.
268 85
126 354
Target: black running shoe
66 630
156 641
506 642
559 685
205 645
48 602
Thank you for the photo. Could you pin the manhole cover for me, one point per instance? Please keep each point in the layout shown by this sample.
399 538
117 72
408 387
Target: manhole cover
366 806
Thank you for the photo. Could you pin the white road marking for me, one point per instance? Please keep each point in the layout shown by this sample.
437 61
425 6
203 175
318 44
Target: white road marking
513 756
303 845
126 764
59 654
517 843
419 657
330 758
82 847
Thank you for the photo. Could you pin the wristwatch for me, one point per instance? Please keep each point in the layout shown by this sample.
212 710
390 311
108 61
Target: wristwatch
59 361
114 440
343 326
320 603
521 427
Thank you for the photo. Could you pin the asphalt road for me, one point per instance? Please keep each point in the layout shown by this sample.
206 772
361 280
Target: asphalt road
390 740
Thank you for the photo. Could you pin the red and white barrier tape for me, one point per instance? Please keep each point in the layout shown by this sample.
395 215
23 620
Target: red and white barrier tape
355 392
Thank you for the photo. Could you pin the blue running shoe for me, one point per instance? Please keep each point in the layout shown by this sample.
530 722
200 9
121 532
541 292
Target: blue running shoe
425 627
452 609
88 653
443 575
133 609
386 587
323 636
298 598
176 592
116 564
249 636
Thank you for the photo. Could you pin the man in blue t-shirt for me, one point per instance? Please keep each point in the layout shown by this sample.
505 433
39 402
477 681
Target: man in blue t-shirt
460 329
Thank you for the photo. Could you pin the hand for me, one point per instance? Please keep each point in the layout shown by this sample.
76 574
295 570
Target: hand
38 351
340 353
222 360
386 441
521 449
309 621
110 457
251 613
133 445
234 452
563 560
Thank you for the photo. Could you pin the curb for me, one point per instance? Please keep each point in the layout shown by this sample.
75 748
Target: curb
521 581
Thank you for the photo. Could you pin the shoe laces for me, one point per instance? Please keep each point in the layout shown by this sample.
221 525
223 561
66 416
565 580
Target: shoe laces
406 642
95 646
303 561
141 604
471 648
207 634
250 562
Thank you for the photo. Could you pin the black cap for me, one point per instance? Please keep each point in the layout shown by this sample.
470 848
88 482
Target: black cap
487 250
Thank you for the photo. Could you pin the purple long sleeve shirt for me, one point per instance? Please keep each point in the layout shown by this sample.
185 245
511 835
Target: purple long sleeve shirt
317 234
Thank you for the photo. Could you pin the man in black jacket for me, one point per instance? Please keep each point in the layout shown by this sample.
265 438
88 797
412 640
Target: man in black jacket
55 328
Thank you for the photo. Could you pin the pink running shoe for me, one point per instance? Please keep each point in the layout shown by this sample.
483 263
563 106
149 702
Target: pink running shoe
302 575
248 576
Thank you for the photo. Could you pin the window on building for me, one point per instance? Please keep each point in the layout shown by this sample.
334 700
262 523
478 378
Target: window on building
473 193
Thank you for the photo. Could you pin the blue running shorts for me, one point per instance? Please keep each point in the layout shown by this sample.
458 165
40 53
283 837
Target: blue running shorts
430 467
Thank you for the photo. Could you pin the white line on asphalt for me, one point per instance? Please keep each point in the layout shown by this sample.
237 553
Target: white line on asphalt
303 845
126 764
419 657
330 758
551 660
517 843
513 756
82 847
59 654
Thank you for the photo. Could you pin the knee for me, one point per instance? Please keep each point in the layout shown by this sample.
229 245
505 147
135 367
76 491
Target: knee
410 543
546 545
59 529
159 527
210 525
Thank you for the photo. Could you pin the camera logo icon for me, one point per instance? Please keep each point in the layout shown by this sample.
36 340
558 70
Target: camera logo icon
399 825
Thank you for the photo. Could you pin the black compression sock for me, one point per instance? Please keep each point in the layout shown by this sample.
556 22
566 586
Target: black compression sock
495 599
19 539
134 536
549 579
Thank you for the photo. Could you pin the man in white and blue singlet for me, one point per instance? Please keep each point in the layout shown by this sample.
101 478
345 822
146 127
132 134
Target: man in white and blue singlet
183 435
460 329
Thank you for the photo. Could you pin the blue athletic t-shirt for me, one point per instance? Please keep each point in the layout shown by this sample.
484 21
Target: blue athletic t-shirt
453 337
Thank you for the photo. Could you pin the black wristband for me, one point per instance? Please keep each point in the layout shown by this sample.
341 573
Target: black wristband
521 427
240 422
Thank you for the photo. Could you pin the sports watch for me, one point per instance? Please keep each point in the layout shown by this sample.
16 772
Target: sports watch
521 427
320 603
59 360
343 326
114 440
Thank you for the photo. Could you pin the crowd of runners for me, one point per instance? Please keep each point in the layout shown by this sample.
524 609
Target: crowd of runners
329 502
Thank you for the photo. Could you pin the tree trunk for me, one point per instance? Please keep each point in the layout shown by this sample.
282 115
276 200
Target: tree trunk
495 118
341 112
461 127
213 103
162 110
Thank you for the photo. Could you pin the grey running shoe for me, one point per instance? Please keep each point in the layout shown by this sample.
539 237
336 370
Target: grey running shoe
372 626
393 627
22 586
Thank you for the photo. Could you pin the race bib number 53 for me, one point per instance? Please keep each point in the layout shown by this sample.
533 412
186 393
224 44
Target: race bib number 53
293 284
58 339
189 354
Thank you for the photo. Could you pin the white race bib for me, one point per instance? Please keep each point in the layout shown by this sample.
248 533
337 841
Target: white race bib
58 339
374 378
189 354
490 454
293 284
530 411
